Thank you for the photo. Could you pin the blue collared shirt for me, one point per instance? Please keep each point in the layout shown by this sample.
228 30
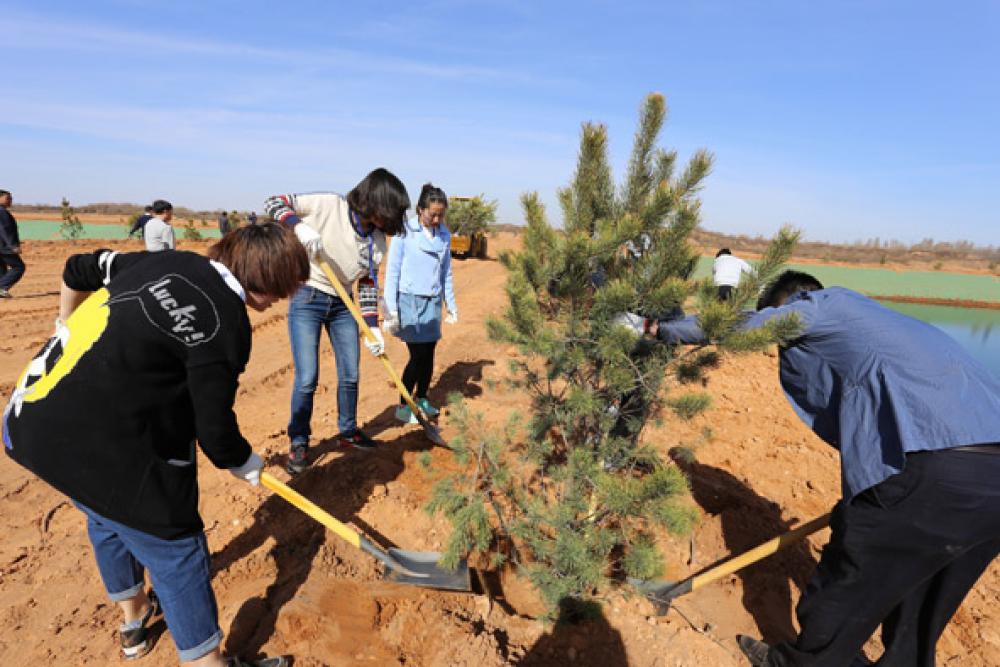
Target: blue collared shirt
874 383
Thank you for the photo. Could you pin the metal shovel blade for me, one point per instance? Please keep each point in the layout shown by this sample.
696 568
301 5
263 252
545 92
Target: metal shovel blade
430 430
422 569
661 593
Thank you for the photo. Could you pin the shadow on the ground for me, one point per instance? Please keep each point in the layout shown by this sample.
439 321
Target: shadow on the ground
341 485
463 377
581 636
749 519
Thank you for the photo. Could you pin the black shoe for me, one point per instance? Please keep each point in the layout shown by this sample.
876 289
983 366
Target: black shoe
357 440
755 650
298 459
137 642
279 661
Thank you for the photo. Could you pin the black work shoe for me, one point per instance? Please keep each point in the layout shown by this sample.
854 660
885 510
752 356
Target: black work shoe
279 661
137 642
755 650
357 440
298 459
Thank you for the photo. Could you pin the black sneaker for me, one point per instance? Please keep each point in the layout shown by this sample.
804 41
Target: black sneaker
137 642
279 661
357 440
298 459
755 650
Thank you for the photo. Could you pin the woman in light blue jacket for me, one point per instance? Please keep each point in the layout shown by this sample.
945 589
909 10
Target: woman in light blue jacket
418 279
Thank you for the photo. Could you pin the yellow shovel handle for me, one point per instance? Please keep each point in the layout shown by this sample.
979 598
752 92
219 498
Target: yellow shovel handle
309 507
351 306
759 552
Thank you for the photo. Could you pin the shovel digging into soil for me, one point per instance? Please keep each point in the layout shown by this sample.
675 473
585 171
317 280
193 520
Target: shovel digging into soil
664 592
419 568
429 429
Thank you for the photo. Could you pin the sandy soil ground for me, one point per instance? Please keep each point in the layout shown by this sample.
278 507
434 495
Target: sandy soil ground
286 585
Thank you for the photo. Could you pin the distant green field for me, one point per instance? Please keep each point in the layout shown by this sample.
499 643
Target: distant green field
885 282
47 230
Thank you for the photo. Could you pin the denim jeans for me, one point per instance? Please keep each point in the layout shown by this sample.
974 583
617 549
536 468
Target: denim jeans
309 312
11 269
178 569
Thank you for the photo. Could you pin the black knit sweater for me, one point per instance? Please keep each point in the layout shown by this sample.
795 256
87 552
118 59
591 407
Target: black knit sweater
109 411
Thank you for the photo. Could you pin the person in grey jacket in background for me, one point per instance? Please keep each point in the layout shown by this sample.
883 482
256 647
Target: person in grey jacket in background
158 233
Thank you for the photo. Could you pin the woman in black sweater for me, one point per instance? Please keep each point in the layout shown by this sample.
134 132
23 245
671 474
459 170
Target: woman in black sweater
146 361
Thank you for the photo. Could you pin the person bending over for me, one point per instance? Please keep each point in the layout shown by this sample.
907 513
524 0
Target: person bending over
347 233
917 422
144 363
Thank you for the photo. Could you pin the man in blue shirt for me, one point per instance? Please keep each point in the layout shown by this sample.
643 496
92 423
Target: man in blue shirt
917 424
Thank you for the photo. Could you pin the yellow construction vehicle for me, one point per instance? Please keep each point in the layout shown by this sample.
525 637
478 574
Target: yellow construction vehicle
468 237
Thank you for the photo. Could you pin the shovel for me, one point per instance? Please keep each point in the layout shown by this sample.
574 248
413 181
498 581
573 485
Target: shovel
663 592
419 568
432 432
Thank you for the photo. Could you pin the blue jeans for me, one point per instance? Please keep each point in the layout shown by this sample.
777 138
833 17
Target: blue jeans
178 569
310 311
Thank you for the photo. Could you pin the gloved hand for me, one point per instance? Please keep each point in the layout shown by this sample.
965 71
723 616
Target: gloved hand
451 318
309 238
391 323
632 321
376 347
249 471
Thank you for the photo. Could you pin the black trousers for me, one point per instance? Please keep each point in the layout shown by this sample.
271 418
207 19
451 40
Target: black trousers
419 369
904 554
11 269
724 292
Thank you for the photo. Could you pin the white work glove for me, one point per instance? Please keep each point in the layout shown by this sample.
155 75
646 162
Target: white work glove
249 471
376 347
631 321
390 323
451 318
309 238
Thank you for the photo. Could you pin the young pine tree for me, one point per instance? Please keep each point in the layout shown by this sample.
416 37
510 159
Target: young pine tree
71 228
573 495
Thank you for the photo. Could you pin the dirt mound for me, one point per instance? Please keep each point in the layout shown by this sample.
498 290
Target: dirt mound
284 584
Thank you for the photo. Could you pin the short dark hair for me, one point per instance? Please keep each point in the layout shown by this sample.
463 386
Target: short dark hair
266 259
148 208
784 286
4 193
381 195
162 206
429 194
723 251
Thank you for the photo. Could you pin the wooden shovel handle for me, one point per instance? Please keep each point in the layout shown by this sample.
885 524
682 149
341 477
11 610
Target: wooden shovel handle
759 552
309 507
351 306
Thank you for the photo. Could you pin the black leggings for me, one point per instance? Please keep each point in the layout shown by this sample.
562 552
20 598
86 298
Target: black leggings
419 369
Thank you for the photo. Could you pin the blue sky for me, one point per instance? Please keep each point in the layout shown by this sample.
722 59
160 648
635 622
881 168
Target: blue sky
850 120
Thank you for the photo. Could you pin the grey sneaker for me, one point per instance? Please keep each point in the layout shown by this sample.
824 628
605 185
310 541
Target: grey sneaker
136 642
356 440
4 293
279 661
755 650
298 458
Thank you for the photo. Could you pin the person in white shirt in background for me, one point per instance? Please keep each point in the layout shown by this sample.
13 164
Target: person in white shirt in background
157 233
726 272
